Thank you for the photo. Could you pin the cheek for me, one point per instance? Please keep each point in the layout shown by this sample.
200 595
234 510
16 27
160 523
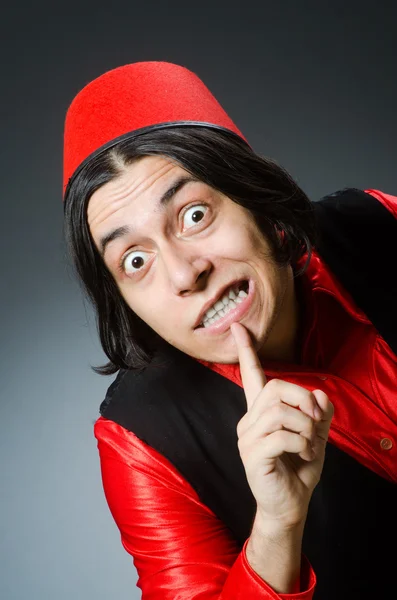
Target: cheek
232 241
242 243
151 308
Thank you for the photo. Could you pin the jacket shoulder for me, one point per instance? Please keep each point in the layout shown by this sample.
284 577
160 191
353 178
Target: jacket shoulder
357 239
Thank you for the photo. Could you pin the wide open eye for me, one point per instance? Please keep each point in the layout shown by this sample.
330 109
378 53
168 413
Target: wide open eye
135 261
194 215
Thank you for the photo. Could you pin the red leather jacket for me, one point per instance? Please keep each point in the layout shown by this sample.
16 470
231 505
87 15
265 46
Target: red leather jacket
181 550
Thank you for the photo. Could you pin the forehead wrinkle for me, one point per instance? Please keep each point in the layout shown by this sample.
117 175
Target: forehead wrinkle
126 190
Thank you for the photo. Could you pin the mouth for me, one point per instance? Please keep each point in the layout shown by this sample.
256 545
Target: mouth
230 303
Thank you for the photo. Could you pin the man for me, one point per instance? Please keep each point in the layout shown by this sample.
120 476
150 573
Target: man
201 260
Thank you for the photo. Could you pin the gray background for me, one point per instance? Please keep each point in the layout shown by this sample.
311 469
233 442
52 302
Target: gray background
311 84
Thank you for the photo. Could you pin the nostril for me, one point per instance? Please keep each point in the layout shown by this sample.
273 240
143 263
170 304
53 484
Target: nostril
203 275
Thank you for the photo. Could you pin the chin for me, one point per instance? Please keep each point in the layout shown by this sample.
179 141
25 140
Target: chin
227 361
225 354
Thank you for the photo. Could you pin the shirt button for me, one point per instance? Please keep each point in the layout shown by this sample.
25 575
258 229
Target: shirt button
386 444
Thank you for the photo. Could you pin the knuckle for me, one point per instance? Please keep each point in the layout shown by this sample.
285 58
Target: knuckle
241 426
278 436
273 385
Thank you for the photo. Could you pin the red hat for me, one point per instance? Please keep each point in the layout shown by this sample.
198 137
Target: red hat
128 101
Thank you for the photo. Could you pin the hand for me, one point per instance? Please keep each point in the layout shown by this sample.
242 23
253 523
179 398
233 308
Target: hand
281 440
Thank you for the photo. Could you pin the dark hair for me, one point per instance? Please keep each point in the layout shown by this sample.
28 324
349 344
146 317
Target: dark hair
220 159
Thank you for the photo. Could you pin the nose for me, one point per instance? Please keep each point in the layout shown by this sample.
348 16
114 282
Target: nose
186 271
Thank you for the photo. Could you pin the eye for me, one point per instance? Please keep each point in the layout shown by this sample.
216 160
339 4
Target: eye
194 215
135 261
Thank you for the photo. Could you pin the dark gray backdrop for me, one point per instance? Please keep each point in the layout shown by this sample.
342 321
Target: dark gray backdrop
311 84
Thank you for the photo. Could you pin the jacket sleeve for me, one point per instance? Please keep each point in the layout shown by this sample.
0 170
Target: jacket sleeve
388 201
180 549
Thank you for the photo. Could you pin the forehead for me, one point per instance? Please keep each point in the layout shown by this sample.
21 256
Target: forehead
149 176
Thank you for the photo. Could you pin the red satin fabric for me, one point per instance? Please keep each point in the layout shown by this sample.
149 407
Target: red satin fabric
180 548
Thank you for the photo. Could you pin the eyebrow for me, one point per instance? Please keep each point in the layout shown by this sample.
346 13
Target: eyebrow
163 201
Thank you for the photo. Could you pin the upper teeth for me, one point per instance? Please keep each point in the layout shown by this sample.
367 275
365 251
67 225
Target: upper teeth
224 305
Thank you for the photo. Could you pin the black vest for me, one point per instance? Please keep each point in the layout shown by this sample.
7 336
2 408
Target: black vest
351 527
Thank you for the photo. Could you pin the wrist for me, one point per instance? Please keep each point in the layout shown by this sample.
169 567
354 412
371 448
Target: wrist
277 529
274 553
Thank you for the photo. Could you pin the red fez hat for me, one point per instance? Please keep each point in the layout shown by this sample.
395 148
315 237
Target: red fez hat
131 100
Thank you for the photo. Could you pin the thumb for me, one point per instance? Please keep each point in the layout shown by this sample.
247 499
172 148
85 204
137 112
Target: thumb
324 425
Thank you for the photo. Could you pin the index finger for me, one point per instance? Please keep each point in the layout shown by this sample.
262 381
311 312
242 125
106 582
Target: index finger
251 370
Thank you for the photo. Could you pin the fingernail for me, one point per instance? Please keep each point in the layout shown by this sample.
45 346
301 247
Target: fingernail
318 413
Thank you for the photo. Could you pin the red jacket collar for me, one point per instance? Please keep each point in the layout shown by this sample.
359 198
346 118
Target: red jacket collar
319 279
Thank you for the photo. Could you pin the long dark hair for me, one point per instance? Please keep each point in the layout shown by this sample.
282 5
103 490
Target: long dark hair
220 159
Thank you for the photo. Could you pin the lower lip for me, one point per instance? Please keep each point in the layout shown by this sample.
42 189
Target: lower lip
236 314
